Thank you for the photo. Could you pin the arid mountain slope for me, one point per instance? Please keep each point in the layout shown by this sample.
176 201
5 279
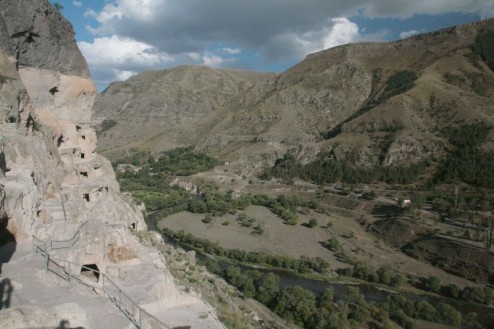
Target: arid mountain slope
164 109
370 104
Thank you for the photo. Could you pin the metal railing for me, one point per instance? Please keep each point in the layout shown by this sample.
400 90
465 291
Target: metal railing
94 279
61 244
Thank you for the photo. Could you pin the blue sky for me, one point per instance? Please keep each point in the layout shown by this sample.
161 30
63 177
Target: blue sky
120 38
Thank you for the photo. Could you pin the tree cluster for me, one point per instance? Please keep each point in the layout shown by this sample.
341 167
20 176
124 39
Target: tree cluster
302 265
323 171
183 161
304 308
484 47
400 308
468 162
383 275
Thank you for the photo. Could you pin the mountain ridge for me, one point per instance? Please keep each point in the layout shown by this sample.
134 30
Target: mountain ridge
341 101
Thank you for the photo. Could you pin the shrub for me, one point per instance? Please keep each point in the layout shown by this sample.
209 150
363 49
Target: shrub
333 244
313 223
208 218
258 229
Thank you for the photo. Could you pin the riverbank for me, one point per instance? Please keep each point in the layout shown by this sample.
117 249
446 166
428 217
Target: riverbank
318 283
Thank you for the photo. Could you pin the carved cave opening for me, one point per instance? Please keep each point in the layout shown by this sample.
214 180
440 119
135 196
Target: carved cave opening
60 141
53 90
91 271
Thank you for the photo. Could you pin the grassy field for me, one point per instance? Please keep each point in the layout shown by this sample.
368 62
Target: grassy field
300 240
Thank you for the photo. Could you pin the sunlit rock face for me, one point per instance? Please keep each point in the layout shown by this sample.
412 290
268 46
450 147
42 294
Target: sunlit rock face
52 181
53 172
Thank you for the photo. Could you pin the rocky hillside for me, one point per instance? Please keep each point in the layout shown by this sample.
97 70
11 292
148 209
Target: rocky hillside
53 185
165 109
371 104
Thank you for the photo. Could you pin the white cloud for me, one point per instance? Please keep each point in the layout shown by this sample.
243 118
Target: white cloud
231 51
334 32
343 31
117 58
196 57
77 3
135 11
121 51
132 35
406 34
272 29
121 75
215 60
212 60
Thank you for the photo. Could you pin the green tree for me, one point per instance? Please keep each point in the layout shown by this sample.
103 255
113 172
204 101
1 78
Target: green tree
451 290
448 315
385 275
432 283
399 280
268 289
296 304
326 299
425 311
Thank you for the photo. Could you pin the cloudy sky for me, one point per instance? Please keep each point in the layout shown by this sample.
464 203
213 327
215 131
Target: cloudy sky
120 38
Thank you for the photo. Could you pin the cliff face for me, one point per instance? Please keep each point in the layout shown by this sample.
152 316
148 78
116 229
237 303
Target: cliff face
51 179
47 58
48 99
350 102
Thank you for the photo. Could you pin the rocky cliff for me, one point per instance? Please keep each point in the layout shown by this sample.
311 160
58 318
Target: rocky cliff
52 181
352 103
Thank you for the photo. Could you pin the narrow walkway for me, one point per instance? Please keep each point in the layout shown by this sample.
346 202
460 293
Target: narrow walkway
25 283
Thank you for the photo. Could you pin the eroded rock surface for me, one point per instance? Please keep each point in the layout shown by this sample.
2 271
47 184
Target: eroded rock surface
53 184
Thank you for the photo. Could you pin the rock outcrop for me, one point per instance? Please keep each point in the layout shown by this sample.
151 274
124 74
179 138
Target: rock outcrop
53 184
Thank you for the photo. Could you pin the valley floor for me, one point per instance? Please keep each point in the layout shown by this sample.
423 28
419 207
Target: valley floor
299 240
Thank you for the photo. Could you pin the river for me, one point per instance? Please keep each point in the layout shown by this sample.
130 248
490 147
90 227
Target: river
370 292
